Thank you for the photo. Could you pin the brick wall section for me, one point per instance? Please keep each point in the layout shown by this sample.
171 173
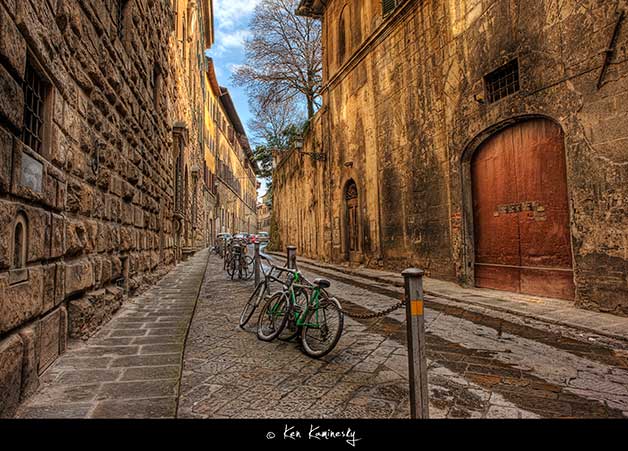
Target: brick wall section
402 120
100 225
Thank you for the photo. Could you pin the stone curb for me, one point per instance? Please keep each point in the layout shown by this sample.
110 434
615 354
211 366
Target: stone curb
187 334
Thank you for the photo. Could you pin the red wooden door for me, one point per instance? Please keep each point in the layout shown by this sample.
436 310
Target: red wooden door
521 213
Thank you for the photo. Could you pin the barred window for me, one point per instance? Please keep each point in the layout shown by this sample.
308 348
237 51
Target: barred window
389 5
502 82
36 90
119 14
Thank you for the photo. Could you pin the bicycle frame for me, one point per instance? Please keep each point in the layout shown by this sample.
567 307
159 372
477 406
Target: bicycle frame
313 299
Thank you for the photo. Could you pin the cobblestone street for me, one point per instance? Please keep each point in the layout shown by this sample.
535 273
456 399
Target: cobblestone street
132 367
474 372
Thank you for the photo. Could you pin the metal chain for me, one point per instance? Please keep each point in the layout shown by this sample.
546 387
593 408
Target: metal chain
364 315
376 314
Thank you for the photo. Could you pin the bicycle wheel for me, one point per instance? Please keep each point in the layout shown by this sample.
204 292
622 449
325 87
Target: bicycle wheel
252 303
273 316
291 330
322 329
248 268
231 269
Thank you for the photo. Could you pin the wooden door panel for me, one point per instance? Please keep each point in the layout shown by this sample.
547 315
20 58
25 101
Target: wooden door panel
497 235
542 180
521 212
498 278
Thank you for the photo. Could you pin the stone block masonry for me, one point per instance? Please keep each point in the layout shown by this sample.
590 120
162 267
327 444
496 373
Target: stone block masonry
87 168
131 368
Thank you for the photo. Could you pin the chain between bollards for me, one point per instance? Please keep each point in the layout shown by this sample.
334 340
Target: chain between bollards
388 311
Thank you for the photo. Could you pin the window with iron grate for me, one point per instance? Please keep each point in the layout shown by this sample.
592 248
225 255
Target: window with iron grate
502 82
119 16
36 89
389 5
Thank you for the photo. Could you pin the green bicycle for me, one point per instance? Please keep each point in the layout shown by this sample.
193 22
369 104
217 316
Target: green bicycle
305 308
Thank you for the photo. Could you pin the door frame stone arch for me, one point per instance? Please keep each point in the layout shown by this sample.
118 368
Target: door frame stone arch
466 158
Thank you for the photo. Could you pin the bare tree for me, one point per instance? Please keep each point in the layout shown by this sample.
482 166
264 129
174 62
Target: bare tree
283 56
274 127
270 120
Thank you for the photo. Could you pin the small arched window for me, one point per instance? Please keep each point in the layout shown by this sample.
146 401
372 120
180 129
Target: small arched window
19 242
121 12
157 86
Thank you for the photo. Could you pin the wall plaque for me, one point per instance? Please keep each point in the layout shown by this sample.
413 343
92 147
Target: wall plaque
32 173
518 208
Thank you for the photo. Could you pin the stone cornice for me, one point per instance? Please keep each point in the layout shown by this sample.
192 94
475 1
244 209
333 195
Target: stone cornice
312 8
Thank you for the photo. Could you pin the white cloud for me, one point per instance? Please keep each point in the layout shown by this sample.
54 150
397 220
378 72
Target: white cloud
233 14
230 40
232 21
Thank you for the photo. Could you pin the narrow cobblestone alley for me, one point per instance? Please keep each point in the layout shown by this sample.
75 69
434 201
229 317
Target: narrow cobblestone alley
132 367
474 371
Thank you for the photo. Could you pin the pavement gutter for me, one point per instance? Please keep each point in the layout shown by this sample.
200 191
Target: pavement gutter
187 333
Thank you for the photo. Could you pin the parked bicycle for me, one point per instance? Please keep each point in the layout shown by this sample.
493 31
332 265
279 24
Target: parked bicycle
261 292
240 263
227 250
304 308
216 249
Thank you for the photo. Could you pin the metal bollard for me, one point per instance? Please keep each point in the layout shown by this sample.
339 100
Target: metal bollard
257 262
417 358
292 257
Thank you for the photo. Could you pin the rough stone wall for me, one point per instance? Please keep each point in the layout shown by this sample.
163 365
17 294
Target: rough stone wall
402 119
298 216
97 199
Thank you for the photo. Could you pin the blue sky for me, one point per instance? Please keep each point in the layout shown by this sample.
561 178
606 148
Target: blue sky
231 21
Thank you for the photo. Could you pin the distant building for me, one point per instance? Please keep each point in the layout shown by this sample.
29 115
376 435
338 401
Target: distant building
264 213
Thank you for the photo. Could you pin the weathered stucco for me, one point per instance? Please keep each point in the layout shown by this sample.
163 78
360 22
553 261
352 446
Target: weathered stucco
404 112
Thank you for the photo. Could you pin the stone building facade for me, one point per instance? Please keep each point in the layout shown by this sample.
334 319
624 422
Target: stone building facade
101 165
236 171
231 165
481 140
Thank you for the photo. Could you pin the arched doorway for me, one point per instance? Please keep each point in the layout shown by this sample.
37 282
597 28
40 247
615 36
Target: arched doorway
521 211
352 247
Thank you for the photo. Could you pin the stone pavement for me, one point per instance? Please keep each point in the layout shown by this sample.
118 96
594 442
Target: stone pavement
553 311
131 367
477 369
480 366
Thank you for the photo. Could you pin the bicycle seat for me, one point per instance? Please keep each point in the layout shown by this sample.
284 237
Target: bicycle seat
322 283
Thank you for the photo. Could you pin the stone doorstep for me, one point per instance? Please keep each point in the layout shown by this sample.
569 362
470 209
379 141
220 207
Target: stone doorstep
603 324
